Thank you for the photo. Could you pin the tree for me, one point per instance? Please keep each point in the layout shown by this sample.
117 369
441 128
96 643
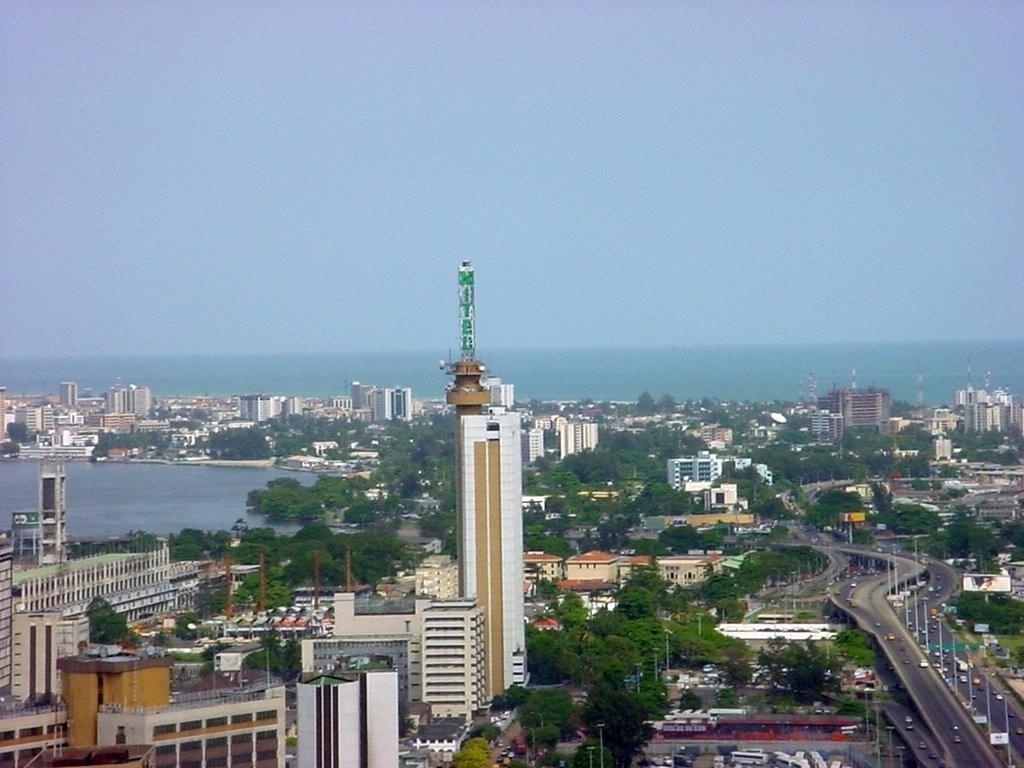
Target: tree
474 753
690 700
106 626
622 719
588 755
645 404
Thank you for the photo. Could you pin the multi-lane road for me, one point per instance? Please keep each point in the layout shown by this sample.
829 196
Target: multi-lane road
960 742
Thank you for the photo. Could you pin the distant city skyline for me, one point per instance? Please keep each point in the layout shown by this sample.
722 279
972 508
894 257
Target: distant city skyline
208 179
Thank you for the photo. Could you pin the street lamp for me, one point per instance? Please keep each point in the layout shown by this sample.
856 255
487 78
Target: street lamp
590 753
600 734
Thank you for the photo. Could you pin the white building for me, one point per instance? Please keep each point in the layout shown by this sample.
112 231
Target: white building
390 404
943 449
575 436
490 538
533 444
438 577
349 720
258 407
139 400
502 395
39 639
705 467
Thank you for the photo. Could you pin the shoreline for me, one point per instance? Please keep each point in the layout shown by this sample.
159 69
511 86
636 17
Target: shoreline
226 463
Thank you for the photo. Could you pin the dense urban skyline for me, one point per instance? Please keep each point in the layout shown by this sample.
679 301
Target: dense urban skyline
189 178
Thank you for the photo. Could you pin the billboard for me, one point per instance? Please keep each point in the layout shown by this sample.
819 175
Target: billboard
854 517
25 519
999 738
986 582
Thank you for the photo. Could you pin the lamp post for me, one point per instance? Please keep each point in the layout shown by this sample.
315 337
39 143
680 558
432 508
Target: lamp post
590 753
600 735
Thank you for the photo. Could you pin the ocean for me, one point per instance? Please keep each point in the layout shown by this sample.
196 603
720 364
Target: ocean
728 372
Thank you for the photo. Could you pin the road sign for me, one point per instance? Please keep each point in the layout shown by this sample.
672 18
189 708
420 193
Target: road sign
999 738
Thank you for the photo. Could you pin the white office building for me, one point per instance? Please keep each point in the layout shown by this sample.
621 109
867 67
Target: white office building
705 467
349 720
391 404
490 538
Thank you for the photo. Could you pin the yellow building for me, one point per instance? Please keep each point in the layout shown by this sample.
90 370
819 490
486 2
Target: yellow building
592 566
540 566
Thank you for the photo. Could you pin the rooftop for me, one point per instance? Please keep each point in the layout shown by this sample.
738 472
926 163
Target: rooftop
593 556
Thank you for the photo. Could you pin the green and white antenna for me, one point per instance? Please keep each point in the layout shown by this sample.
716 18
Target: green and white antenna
467 312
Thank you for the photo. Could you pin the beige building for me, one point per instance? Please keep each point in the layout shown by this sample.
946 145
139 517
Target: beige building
39 639
438 577
452 647
25 732
434 646
688 569
592 566
540 566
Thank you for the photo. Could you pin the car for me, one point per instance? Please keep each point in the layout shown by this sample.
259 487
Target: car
906 661
999 697
956 727
1019 731
890 636
932 756
974 695
922 745
923 663
957 739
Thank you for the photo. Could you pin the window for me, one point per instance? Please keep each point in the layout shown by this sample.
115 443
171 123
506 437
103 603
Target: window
213 722
266 735
245 717
192 725
267 714
165 728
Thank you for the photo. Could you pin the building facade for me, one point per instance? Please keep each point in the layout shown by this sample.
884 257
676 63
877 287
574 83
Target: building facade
348 721
858 407
705 467
575 436
490 538
39 639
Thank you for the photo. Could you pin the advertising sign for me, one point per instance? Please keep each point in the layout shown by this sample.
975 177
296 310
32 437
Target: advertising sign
854 517
25 519
981 629
999 738
986 582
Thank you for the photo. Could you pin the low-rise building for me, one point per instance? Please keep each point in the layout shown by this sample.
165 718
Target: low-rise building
540 566
593 566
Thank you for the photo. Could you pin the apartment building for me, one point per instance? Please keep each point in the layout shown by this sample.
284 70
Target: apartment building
705 467
438 577
538 566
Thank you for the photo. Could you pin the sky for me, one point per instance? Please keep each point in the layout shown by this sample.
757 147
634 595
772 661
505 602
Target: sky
253 177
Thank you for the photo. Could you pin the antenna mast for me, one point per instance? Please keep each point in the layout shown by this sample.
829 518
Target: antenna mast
467 312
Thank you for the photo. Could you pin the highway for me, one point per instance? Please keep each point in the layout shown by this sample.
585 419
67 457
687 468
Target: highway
960 742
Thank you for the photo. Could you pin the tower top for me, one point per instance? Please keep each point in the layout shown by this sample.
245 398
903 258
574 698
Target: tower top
467 312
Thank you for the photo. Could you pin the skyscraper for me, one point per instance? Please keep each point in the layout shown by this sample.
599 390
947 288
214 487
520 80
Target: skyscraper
69 394
488 504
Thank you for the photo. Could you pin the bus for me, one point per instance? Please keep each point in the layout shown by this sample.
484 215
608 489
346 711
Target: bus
749 757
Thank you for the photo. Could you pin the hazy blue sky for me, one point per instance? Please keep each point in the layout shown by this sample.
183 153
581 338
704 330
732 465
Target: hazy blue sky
260 176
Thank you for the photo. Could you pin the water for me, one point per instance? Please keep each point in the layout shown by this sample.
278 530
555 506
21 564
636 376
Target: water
736 372
107 499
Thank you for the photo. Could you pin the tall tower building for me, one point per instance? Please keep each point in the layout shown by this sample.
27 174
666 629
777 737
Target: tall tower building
488 504
6 617
52 518
69 394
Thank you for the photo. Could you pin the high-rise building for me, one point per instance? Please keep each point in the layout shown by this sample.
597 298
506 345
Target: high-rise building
858 407
115 400
489 526
575 436
503 395
69 394
138 400
6 605
453 658
360 394
52 513
258 407
348 720
390 403
533 444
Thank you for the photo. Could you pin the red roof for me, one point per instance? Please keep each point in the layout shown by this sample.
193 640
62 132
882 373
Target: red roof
586 585
547 623
541 557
